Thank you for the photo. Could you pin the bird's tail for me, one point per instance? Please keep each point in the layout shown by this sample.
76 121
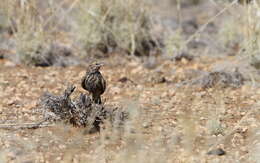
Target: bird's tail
96 99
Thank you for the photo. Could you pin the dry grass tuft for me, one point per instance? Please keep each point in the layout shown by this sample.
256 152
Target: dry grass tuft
103 26
97 28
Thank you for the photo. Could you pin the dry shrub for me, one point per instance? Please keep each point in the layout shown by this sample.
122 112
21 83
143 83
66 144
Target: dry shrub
174 44
81 112
240 32
106 25
27 28
34 29
99 27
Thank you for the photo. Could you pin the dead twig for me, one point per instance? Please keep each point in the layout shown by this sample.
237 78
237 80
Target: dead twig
26 125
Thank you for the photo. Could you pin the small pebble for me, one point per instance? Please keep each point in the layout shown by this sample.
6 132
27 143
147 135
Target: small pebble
218 152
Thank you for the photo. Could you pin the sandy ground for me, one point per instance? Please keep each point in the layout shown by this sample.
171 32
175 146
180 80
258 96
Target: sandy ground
170 124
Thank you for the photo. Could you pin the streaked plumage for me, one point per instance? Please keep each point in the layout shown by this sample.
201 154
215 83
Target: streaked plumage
94 82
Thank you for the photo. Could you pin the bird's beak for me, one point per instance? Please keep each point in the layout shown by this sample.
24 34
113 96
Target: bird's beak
101 64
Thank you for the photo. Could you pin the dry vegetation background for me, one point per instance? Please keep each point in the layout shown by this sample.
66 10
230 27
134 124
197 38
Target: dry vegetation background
186 71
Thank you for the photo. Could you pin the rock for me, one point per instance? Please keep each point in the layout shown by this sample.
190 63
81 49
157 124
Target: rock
217 152
219 78
183 55
9 64
125 80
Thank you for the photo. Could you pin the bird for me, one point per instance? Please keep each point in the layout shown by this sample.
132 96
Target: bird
94 82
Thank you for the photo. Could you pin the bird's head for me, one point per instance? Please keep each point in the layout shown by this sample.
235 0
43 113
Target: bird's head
95 67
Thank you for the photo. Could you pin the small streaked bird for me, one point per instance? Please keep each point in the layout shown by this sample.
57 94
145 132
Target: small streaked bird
94 82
